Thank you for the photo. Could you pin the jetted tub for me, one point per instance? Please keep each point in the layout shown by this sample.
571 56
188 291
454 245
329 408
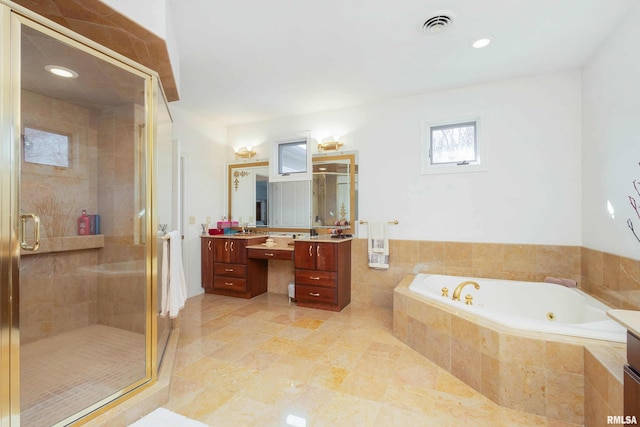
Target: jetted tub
532 306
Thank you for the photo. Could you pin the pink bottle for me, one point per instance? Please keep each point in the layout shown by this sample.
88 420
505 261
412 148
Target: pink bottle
83 224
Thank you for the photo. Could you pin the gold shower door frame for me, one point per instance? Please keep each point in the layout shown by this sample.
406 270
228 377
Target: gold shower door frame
12 19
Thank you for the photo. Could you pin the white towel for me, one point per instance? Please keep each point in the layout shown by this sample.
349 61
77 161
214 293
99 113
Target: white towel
378 245
174 286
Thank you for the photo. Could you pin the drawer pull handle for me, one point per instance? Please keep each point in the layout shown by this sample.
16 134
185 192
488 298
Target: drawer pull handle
310 248
228 283
268 254
226 246
228 269
232 246
209 244
314 278
314 294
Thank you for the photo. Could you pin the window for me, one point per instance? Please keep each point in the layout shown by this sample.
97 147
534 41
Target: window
290 159
46 148
451 147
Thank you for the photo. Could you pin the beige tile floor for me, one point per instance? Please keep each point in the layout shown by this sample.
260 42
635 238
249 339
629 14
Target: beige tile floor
64 374
262 362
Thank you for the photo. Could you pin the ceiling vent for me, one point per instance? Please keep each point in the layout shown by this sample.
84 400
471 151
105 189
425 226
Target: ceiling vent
437 24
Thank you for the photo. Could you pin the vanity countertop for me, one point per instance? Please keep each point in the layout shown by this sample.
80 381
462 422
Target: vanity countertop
630 319
325 238
235 236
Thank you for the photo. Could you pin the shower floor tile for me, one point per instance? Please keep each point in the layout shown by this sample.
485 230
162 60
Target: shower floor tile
64 374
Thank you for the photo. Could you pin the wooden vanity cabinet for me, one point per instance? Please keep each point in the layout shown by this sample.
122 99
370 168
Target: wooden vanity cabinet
632 377
206 262
230 272
323 274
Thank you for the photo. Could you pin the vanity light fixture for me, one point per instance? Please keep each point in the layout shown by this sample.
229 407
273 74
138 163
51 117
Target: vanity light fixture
60 71
481 42
245 152
331 143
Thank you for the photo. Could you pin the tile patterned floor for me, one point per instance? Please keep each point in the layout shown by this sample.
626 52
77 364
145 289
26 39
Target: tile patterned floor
263 362
68 372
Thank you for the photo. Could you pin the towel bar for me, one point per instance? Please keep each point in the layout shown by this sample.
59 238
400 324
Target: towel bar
390 222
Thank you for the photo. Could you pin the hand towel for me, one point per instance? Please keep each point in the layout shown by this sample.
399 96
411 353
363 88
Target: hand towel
378 245
564 282
174 286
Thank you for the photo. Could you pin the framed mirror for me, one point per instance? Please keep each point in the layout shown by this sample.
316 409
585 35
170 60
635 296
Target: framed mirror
248 195
295 206
334 189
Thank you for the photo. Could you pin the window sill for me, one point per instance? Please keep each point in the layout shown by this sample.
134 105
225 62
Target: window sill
436 170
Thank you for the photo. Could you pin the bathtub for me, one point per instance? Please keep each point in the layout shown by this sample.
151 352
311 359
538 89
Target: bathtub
532 306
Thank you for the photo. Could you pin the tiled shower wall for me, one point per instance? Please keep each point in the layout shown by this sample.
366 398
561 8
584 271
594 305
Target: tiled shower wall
57 292
120 199
613 279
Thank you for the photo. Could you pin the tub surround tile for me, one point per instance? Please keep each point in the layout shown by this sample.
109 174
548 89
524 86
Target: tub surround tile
529 372
603 383
523 350
564 357
565 396
464 331
466 363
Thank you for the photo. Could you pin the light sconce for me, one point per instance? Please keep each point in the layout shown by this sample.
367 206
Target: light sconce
245 153
332 143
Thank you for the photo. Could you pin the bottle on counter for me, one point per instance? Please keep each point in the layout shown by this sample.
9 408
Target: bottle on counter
83 224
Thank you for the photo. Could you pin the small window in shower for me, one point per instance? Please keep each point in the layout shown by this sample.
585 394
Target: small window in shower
45 147
451 147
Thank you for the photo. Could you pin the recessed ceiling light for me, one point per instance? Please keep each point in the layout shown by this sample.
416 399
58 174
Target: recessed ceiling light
482 42
61 71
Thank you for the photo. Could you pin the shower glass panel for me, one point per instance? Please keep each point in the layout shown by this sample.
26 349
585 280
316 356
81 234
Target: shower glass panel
84 336
165 180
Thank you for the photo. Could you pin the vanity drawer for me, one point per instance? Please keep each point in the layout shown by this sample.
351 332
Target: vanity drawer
229 270
316 278
270 254
230 283
316 294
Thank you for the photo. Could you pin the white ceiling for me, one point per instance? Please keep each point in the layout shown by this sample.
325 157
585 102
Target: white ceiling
250 60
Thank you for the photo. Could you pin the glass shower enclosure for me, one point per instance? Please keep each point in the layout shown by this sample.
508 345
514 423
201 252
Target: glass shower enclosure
81 129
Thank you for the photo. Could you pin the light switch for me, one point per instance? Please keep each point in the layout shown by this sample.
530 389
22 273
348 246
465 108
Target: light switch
192 220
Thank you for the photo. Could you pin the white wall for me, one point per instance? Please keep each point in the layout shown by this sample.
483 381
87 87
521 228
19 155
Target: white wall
531 193
203 146
611 141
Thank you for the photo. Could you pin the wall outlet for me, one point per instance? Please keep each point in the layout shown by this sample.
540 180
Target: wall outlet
208 220
192 220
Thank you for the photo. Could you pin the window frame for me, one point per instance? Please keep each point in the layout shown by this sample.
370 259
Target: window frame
427 167
69 147
275 172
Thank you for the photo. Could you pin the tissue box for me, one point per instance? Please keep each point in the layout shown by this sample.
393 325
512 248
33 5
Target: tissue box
227 224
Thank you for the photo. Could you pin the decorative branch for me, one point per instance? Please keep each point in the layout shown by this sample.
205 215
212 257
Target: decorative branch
630 225
635 207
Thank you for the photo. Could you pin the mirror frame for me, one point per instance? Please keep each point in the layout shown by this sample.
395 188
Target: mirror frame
319 157
230 169
351 157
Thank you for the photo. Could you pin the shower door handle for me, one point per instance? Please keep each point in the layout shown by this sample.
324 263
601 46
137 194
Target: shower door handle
23 232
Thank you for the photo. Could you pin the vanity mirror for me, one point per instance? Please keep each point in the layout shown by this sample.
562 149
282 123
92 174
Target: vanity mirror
334 191
297 205
248 193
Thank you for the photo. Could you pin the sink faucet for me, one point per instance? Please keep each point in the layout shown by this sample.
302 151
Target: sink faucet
456 292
